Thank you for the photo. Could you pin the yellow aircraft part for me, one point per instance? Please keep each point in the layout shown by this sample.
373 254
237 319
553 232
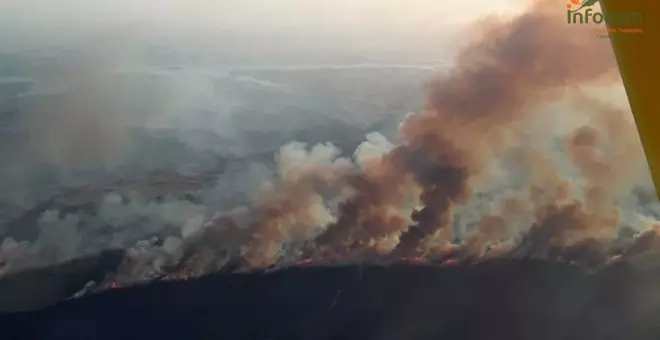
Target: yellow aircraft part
638 56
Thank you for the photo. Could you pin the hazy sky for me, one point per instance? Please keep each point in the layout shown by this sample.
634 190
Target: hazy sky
246 13
61 19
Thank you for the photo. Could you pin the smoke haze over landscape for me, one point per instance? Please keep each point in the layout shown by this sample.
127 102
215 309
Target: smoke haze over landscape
515 140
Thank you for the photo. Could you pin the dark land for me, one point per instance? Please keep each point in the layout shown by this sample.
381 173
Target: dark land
499 299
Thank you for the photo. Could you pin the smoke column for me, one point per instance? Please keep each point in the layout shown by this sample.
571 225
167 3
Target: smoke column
468 179
402 203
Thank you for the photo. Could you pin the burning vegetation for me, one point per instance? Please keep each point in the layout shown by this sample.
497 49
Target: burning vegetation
402 201
399 202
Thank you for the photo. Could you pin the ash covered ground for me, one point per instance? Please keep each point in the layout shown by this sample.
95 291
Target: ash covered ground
522 146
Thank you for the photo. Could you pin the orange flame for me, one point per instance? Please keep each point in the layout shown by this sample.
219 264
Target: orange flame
417 259
573 2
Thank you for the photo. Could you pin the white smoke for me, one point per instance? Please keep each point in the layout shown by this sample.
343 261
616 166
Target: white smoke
373 148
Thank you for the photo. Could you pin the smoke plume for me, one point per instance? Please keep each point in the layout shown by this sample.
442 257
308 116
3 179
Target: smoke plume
470 177
510 69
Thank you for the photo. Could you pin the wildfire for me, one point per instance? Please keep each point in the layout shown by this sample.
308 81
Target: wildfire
417 259
303 262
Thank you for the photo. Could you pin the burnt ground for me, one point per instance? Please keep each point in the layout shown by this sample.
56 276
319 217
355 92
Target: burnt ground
504 299
40 287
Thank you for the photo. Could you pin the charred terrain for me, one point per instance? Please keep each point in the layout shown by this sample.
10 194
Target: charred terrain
39 287
498 299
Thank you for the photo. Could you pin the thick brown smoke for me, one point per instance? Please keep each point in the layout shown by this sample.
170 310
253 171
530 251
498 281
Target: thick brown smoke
511 67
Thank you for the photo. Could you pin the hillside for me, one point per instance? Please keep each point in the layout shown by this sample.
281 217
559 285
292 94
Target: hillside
502 299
